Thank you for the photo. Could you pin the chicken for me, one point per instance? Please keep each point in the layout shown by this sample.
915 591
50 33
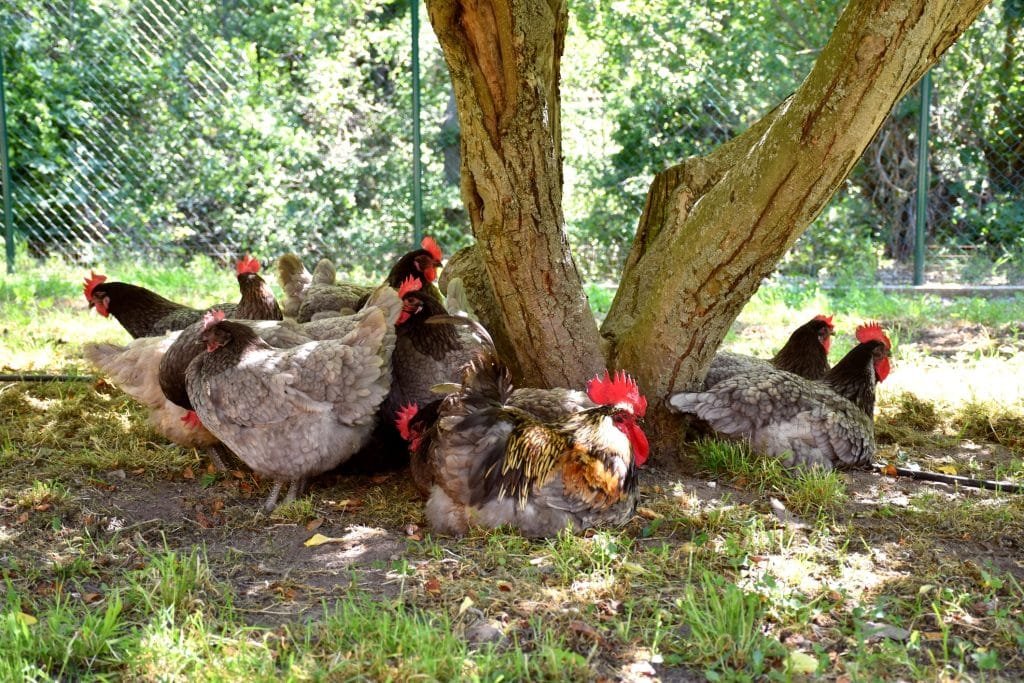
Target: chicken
292 413
133 369
496 464
144 313
414 423
827 423
805 353
280 334
311 296
258 301
426 353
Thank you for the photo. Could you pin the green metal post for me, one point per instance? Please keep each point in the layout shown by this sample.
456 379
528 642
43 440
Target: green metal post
4 162
922 177
417 171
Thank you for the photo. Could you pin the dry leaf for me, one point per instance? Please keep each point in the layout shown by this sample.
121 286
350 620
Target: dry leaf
890 470
320 539
217 505
648 513
22 518
42 507
946 469
237 474
314 524
505 586
467 602
141 470
931 635
801 663
379 478
204 521
413 532
584 629
187 473
89 598
433 585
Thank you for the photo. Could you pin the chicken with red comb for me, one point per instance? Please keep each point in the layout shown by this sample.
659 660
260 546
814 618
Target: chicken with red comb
493 463
827 423
805 353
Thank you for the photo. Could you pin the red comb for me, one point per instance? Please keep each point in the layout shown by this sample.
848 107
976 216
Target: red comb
211 318
430 244
618 388
405 415
409 284
873 331
91 282
247 265
825 319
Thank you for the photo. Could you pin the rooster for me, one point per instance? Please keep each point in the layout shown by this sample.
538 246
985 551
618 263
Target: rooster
144 313
292 413
496 464
805 353
314 295
827 423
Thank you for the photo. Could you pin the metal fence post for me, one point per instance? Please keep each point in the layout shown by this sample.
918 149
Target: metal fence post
5 162
922 177
417 171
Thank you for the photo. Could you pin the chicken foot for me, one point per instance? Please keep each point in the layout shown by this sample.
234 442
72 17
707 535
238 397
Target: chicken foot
295 487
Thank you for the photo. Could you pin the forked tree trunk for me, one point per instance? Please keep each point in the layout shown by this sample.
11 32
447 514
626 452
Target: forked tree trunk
713 227
504 59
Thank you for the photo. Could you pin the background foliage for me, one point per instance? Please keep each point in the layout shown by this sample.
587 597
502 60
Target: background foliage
169 128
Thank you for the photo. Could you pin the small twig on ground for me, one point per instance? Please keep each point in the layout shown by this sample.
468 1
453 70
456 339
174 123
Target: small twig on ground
922 475
21 377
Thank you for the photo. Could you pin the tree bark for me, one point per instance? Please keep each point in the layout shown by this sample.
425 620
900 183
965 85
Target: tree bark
714 227
504 60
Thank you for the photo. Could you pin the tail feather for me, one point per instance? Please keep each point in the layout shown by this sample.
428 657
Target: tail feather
385 298
687 402
294 280
324 272
457 299
133 368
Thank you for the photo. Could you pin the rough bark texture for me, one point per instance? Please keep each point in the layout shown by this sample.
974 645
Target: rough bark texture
504 59
714 227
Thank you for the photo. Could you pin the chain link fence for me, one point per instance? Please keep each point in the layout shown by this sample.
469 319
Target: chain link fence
168 128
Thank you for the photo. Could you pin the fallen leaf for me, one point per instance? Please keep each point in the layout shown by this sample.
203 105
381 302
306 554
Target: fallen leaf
584 629
890 470
946 469
467 602
931 635
42 507
349 504
204 521
801 663
22 518
505 586
648 513
413 532
433 585
141 470
187 473
379 478
237 474
314 524
89 598
320 539
26 619
217 505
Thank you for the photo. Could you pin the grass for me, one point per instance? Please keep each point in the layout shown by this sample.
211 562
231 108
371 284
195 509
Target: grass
121 557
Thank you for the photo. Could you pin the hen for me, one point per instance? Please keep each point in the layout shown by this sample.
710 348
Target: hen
827 423
805 353
496 464
292 413
414 423
312 296
144 313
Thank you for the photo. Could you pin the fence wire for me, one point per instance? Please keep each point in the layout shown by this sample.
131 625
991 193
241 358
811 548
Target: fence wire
168 128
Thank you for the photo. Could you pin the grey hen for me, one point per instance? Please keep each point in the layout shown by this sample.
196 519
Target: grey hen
292 413
805 353
828 423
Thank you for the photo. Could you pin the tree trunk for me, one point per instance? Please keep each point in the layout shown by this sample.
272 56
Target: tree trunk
504 59
712 228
